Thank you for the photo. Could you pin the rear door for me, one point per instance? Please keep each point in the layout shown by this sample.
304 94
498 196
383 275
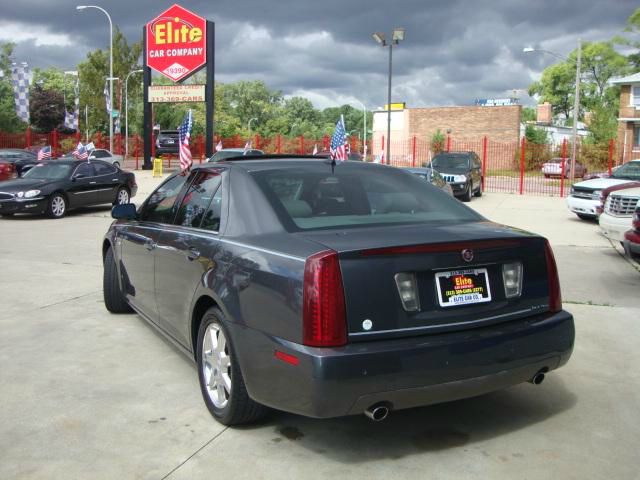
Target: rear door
107 182
83 186
185 252
139 242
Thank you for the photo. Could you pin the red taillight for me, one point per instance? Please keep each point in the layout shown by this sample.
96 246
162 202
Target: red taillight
555 297
324 319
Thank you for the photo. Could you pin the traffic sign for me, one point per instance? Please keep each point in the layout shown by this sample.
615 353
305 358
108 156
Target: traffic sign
176 43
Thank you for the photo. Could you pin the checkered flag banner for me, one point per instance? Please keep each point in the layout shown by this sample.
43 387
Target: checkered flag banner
106 95
71 120
21 78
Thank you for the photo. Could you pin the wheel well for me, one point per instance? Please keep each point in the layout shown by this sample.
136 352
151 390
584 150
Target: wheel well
203 304
106 245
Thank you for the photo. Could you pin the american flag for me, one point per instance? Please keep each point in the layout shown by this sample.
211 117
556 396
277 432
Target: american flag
247 147
338 142
219 146
315 149
184 134
81 152
44 153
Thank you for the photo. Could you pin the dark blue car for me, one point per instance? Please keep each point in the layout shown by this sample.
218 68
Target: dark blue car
329 291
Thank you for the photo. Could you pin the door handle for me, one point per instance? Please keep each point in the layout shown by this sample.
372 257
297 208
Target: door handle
193 254
150 245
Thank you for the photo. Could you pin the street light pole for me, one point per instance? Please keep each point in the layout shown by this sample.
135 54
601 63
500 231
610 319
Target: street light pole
576 102
398 36
126 112
83 7
249 124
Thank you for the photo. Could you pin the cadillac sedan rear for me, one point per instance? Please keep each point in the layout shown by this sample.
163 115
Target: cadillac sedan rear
329 291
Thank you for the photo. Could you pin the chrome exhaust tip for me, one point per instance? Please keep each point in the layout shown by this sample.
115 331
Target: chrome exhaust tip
377 413
537 379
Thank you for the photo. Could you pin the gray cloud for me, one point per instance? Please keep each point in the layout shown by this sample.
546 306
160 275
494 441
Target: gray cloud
454 51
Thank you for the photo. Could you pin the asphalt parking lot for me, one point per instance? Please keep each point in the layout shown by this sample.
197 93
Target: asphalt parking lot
86 394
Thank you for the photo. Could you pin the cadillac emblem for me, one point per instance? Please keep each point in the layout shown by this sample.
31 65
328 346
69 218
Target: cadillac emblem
467 255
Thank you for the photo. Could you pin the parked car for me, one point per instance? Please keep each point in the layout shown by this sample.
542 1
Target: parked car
107 156
618 213
58 186
604 194
7 170
461 170
328 291
167 142
22 160
600 174
584 198
431 176
352 156
632 237
556 166
225 153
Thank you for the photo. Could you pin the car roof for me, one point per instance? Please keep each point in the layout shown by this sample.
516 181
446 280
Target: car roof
269 162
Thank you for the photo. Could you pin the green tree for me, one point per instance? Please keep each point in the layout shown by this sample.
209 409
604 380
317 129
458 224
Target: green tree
528 114
46 108
9 121
535 135
632 27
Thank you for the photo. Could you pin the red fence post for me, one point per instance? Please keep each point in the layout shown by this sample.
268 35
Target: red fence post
484 161
522 146
54 142
256 141
201 145
610 155
28 139
564 162
448 143
301 146
413 151
279 143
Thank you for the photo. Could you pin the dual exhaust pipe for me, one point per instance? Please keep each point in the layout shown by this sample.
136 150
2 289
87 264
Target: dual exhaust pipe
379 411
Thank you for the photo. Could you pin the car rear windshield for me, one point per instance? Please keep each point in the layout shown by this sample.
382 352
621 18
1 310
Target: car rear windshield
49 171
312 197
451 161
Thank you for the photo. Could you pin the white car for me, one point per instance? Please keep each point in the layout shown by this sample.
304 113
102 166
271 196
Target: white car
585 196
618 213
106 156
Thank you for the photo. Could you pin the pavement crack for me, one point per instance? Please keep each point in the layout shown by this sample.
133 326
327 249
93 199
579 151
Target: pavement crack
195 453
67 300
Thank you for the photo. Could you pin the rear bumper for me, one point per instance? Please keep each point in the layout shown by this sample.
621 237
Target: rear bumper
404 373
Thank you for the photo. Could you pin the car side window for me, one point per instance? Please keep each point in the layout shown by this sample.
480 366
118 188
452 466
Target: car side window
160 205
85 170
211 220
197 199
104 168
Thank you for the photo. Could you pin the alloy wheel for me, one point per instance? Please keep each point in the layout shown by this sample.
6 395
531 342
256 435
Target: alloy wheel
216 365
123 197
58 206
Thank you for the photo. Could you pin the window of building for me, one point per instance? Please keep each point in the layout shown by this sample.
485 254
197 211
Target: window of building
635 96
636 136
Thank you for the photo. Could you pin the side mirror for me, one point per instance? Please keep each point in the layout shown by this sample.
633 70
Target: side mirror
126 211
92 157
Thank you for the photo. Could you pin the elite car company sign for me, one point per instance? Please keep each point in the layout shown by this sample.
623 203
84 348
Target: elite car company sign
176 43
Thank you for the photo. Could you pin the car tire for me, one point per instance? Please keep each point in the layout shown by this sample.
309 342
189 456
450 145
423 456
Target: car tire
221 381
582 216
114 299
478 192
57 207
122 196
466 196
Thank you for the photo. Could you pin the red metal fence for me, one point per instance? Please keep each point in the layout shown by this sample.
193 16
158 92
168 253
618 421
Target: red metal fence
507 167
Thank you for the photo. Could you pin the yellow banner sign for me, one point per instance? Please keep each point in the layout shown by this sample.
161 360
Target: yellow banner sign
176 93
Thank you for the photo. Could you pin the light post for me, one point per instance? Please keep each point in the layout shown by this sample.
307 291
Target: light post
83 7
126 112
364 128
397 37
576 102
249 124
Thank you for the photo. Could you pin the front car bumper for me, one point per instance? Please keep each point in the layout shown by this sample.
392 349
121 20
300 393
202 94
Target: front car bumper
403 373
632 243
28 205
583 206
614 228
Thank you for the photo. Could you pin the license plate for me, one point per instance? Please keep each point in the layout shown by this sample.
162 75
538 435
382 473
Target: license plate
463 287
170 142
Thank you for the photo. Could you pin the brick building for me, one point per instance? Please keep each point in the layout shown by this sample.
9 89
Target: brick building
629 117
497 123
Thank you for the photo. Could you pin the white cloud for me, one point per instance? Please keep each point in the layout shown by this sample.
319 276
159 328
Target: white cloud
18 32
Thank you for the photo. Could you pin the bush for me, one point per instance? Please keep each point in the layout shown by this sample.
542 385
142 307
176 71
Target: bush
437 142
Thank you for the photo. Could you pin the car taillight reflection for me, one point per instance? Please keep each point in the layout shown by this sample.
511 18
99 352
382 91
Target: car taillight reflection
555 296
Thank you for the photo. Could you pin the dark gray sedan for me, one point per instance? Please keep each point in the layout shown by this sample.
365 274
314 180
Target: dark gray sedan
431 176
329 291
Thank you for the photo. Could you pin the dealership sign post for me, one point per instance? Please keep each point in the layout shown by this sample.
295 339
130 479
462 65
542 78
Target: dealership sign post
177 43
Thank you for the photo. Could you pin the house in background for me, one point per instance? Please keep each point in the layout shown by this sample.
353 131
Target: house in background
629 117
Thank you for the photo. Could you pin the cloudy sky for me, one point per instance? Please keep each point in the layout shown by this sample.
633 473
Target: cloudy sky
454 52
